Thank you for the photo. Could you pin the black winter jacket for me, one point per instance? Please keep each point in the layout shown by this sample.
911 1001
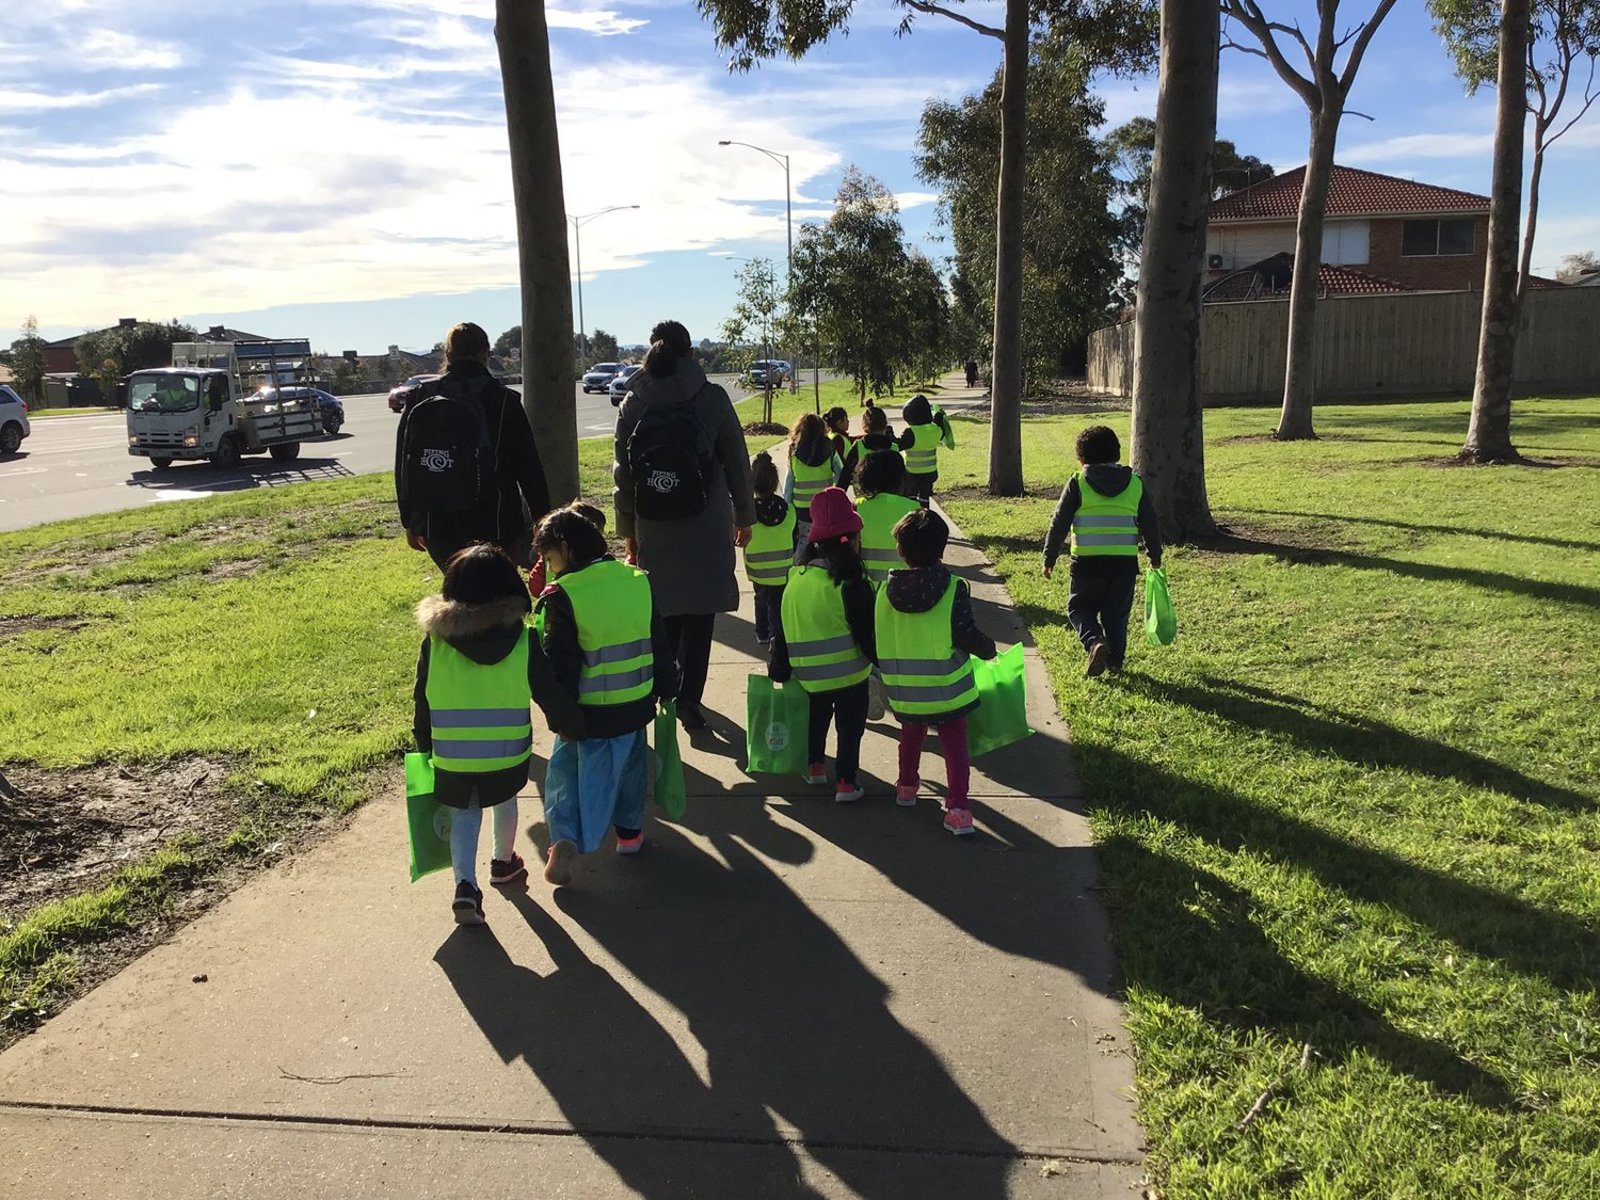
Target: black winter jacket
485 633
1109 479
566 658
858 454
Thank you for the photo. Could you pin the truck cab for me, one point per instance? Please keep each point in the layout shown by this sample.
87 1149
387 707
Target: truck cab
199 407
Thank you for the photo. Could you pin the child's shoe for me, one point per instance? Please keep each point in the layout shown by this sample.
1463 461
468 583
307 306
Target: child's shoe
1099 660
847 793
468 905
503 871
558 869
630 845
816 775
905 795
958 821
877 698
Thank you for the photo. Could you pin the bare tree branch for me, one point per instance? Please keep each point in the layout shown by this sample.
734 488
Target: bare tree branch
1248 13
923 6
1350 112
1359 49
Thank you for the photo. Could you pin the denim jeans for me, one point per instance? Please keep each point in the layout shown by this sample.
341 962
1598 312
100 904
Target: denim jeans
594 784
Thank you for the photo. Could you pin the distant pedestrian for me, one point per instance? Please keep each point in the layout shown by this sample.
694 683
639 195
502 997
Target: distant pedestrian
927 637
770 551
972 372
610 654
1108 512
476 672
466 466
683 500
927 428
825 641
876 434
813 466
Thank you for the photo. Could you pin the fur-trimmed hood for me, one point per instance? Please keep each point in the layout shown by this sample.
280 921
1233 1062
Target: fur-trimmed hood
485 633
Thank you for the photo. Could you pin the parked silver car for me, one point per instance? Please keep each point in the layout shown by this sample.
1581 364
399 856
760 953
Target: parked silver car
598 377
619 383
13 420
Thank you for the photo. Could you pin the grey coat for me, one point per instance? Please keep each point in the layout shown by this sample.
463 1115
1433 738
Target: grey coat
691 561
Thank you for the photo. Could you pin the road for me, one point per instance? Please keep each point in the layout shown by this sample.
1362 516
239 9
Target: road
77 466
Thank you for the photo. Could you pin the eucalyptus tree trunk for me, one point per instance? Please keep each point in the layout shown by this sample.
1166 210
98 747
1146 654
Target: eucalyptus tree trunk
1299 377
1489 432
1005 390
1168 422
1525 266
547 393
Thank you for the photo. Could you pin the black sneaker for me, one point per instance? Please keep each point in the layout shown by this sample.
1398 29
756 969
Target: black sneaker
690 716
468 905
503 871
1099 660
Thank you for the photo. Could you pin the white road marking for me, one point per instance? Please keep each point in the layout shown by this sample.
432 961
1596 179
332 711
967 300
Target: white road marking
14 472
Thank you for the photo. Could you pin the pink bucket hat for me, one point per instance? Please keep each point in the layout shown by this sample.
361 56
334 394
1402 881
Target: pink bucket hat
833 516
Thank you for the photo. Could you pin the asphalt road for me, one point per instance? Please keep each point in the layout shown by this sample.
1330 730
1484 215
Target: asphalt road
76 466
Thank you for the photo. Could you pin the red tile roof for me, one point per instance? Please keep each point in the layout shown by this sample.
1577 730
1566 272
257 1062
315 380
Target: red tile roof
1269 279
1351 193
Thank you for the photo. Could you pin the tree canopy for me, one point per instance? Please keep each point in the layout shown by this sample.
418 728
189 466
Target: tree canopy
130 347
27 362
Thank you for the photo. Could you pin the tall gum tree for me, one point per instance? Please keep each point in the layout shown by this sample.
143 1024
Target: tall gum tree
524 40
1563 46
1168 421
1489 430
1113 33
1324 88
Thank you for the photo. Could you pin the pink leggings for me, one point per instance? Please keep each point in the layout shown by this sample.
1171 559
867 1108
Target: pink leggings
953 744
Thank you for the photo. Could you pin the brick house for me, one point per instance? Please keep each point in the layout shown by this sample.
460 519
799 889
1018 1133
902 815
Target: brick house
61 356
1382 233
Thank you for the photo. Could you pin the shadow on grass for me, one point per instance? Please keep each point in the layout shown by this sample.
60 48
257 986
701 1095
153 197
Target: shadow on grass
1497 535
1357 739
1498 581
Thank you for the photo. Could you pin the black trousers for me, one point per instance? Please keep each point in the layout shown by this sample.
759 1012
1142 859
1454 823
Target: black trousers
691 635
920 487
769 606
1098 601
847 708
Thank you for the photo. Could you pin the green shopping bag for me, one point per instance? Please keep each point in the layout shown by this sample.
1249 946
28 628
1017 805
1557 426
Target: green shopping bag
1160 621
669 791
429 820
777 720
1002 713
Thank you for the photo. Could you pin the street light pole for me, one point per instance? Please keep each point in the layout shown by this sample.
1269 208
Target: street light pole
788 214
577 224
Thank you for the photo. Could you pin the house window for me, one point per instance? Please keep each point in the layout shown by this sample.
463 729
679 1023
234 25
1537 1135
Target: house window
1420 239
1345 243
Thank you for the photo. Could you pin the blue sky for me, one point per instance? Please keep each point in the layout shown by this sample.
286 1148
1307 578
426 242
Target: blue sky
337 170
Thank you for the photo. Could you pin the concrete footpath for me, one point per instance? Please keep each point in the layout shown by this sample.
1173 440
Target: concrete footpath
781 997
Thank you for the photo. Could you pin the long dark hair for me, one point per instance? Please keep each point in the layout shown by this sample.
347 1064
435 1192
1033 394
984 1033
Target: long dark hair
483 574
574 533
669 341
808 431
841 555
763 474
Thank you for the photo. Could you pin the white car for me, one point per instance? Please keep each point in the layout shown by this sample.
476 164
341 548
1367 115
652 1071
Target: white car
619 383
13 420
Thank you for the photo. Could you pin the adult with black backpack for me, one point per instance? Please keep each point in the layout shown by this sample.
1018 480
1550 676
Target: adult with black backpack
466 469
684 500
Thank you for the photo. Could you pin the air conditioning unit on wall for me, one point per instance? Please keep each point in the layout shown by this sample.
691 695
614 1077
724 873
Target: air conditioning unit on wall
1214 261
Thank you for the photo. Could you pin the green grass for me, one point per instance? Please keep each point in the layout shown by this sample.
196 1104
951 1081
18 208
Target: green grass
1354 806
270 629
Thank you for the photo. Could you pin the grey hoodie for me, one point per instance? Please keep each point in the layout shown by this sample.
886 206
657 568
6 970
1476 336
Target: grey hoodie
1109 479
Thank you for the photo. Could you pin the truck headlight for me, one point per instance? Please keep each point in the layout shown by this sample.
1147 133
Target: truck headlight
133 439
190 439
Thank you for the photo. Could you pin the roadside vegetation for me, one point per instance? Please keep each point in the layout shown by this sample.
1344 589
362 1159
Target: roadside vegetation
1348 822
250 655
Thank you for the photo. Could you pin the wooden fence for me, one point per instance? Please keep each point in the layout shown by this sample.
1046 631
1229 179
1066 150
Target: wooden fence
1421 343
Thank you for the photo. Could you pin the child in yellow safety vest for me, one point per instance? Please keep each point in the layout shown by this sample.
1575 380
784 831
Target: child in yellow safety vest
770 551
812 466
927 428
837 421
876 434
927 636
1106 509
476 672
825 641
598 626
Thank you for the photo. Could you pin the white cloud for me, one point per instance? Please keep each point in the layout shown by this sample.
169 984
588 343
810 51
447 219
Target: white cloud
22 101
602 21
915 199
108 48
1420 145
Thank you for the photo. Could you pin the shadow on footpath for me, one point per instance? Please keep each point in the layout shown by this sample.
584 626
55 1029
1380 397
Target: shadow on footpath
252 472
792 1024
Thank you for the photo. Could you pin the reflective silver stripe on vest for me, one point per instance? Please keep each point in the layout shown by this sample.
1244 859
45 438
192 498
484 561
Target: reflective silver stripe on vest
588 685
931 693
806 489
1106 539
616 654
838 670
477 718
770 556
923 666
833 645
921 462
1104 521
486 748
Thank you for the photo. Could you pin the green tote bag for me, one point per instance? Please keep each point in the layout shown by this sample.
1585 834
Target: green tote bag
1002 713
1160 621
669 790
777 720
429 820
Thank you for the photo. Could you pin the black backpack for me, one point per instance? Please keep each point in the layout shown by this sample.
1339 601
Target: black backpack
670 460
445 462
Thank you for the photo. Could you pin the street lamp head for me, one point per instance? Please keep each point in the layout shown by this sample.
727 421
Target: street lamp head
724 142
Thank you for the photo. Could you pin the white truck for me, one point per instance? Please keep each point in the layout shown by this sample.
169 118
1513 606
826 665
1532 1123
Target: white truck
204 406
